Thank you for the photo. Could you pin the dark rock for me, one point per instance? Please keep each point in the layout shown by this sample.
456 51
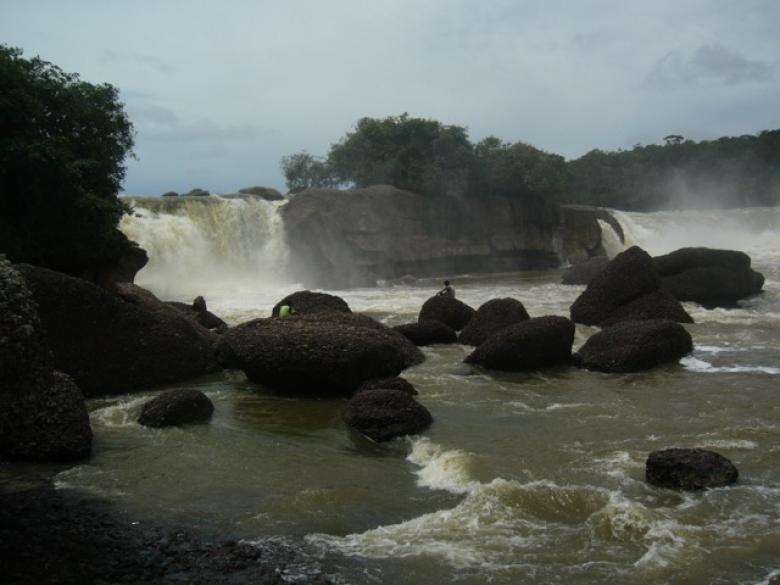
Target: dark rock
113 344
492 317
177 407
585 271
687 258
427 332
266 193
448 310
345 238
305 302
632 346
384 414
170 194
320 354
655 305
396 383
529 345
628 276
42 412
689 469
196 193
201 315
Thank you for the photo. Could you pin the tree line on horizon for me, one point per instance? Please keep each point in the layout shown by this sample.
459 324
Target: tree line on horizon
433 159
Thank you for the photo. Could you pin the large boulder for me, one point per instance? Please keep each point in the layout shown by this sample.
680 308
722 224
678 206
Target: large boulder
384 414
632 346
448 310
42 412
176 407
319 354
585 271
306 302
427 332
713 278
112 344
529 345
492 317
394 383
198 312
689 469
658 304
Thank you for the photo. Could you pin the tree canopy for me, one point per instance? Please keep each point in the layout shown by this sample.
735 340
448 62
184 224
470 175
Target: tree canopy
63 145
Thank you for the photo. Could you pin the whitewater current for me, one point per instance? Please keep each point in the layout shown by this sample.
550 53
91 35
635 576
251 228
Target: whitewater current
523 478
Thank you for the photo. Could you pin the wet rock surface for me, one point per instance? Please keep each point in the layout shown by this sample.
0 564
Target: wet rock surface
492 317
448 310
306 302
199 313
632 346
64 537
532 344
585 271
177 407
427 332
395 383
384 414
689 469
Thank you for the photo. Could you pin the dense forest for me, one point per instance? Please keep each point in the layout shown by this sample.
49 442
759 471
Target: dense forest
433 159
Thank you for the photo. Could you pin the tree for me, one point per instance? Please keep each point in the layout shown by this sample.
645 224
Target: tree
304 171
63 144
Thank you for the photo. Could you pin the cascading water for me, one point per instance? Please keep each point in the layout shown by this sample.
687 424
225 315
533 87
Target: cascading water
218 247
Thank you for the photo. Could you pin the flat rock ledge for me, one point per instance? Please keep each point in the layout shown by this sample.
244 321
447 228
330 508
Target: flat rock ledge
689 469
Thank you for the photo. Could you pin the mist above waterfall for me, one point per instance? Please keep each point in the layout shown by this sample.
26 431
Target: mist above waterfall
208 246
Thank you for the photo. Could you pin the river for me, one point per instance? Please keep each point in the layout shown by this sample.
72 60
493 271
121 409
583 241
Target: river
523 478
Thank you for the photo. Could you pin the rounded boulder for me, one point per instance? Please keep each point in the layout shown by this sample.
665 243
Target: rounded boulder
689 469
427 332
306 302
384 414
395 383
492 317
177 407
448 310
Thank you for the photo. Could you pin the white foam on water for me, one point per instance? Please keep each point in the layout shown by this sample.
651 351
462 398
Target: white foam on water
696 365
768 579
727 444
122 414
442 469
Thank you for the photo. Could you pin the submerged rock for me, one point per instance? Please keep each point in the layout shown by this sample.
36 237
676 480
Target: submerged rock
306 302
384 414
395 383
492 317
632 346
177 407
689 469
427 332
529 345
448 310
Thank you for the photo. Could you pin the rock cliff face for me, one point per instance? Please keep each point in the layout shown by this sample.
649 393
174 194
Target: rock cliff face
349 238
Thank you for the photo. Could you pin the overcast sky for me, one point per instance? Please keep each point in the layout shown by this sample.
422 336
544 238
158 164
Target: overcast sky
219 91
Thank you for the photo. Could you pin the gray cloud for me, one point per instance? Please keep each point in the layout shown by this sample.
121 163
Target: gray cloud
147 62
708 65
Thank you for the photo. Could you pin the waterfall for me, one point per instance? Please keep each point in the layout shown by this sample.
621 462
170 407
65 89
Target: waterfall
208 246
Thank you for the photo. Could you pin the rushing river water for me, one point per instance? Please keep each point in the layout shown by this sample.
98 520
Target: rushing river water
523 478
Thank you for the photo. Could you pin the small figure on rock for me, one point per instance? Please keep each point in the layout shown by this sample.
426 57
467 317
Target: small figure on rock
447 291
286 311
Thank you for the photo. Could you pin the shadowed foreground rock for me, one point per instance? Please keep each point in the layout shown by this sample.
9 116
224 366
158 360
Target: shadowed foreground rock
713 278
427 332
689 469
176 407
112 344
632 346
319 354
452 312
198 312
492 317
532 344
396 383
42 412
584 272
384 414
306 302
626 290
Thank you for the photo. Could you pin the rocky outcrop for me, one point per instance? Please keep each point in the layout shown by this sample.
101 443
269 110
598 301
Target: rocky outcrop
351 238
384 414
199 313
319 354
197 192
529 345
580 232
306 302
627 289
492 317
395 383
632 346
448 310
713 278
42 412
428 332
176 407
170 194
584 272
112 344
689 469
266 193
